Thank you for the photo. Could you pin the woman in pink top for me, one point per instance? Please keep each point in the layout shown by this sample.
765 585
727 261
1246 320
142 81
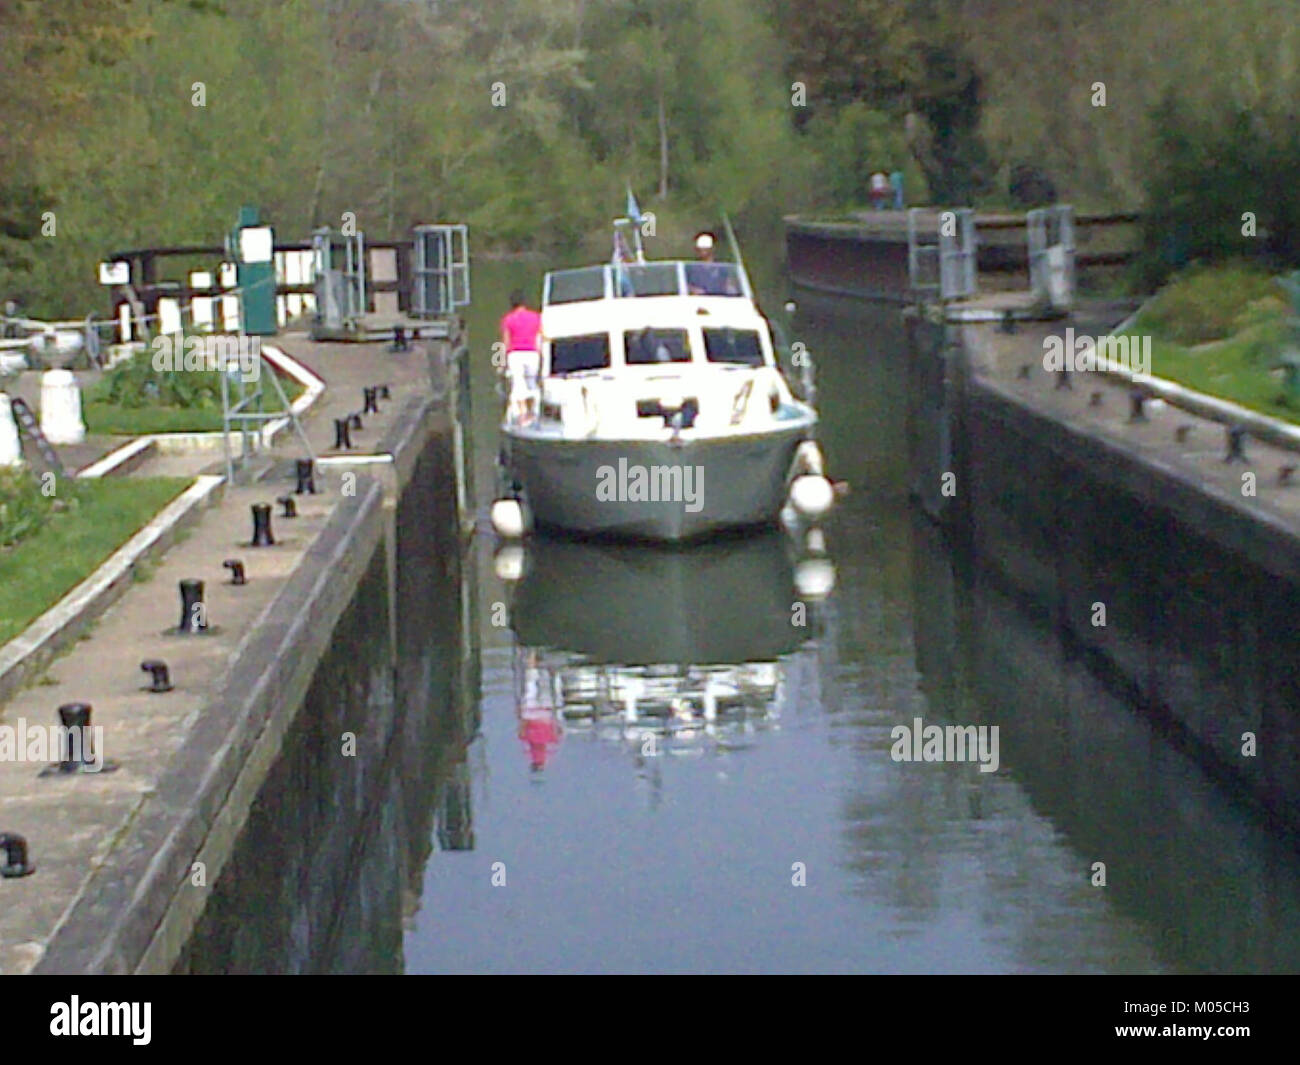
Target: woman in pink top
521 334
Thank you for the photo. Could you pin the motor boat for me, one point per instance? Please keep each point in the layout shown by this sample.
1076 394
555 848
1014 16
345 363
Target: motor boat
662 412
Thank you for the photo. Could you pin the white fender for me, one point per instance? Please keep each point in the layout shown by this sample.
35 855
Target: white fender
510 562
811 495
510 519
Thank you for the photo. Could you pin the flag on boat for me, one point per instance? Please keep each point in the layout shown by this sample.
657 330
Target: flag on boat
633 211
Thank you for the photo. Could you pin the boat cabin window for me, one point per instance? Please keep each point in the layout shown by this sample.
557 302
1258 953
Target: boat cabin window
646 279
648 346
574 354
733 345
713 279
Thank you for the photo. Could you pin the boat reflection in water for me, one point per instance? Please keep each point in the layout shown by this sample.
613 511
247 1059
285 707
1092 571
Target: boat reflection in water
668 651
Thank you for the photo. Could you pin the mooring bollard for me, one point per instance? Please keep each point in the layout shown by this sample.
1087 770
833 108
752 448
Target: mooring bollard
262 525
11 448
371 401
384 393
399 338
342 438
193 614
1023 373
354 422
1008 322
61 420
236 568
16 863
160 678
1236 444
76 716
306 470
1136 399
290 508
1284 474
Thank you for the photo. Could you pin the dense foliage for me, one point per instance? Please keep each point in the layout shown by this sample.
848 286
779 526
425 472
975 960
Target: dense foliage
139 122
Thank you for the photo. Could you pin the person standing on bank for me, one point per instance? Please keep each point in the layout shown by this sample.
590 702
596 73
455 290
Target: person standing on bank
521 335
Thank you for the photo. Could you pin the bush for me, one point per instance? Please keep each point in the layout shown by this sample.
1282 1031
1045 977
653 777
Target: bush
23 507
1211 303
135 383
1209 172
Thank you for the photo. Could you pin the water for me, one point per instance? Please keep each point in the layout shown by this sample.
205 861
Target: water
668 846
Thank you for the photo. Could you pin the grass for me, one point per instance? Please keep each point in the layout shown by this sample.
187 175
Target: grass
1229 370
98 516
1222 330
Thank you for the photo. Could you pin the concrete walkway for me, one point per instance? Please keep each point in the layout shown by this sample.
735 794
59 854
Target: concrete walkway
1181 443
72 822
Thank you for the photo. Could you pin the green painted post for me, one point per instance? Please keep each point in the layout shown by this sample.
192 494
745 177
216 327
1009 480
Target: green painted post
252 245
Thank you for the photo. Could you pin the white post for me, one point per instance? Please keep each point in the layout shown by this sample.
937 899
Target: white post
61 408
11 452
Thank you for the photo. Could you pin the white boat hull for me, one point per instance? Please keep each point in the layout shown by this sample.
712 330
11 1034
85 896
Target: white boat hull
650 489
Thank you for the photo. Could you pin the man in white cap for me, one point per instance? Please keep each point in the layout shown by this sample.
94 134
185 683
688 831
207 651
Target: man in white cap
707 278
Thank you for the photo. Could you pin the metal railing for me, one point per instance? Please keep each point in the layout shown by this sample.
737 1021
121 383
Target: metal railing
941 249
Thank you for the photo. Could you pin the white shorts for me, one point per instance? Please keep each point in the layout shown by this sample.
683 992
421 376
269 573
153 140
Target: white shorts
523 369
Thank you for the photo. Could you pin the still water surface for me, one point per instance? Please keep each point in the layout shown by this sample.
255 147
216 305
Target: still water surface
682 857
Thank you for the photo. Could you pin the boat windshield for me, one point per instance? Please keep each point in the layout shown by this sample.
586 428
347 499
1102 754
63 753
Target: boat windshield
646 279
713 279
632 280
573 286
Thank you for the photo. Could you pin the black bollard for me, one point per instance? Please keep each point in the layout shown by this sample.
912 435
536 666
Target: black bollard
1023 373
1136 399
76 716
1236 444
1180 434
262 525
14 861
236 568
290 508
193 619
399 338
1284 474
342 438
384 393
371 401
354 422
306 478
1095 399
1008 322
160 676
